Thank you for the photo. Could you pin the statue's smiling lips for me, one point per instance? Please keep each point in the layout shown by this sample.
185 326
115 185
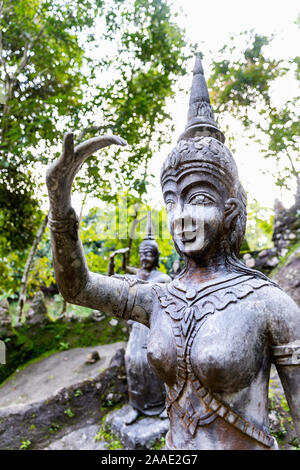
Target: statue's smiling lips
186 236
189 237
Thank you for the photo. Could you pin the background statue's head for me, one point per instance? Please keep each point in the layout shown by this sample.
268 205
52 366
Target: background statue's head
205 202
148 249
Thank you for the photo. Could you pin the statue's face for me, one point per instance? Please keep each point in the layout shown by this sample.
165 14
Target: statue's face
147 258
195 204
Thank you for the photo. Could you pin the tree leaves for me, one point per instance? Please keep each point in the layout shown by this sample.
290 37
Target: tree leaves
241 85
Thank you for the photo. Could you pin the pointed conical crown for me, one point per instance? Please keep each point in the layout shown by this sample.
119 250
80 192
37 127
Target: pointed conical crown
149 228
201 121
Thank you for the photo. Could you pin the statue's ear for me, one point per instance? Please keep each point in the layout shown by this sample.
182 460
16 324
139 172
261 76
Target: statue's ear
232 210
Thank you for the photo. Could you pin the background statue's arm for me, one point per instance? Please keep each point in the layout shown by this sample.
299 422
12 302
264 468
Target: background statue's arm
111 264
76 283
284 328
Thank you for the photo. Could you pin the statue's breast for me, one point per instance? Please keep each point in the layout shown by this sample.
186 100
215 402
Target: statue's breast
230 347
161 351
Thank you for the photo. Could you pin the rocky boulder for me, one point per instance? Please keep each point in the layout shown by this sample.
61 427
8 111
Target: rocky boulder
5 319
60 394
37 314
288 276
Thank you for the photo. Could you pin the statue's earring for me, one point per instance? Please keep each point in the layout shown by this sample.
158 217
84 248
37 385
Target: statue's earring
232 210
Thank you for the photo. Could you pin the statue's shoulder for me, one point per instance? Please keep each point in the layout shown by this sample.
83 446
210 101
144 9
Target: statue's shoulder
164 278
282 314
159 277
160 289
277 299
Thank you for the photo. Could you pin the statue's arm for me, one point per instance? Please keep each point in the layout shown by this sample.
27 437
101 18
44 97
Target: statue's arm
284 330
132 270
76 283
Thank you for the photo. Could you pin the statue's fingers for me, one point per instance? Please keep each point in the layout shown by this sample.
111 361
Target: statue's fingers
68 146
84 150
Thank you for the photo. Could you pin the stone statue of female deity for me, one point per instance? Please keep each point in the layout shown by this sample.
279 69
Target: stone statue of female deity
146 390
215 329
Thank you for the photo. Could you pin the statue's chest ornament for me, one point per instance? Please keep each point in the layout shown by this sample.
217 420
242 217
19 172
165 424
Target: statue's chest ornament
188 309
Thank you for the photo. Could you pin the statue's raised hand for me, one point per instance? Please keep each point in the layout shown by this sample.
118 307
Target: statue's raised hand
61 173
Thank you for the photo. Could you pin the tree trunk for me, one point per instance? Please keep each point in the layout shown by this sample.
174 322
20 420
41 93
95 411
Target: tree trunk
24 281
134 223
64 307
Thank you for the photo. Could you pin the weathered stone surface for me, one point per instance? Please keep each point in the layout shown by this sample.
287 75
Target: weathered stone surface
4 308
141 434
5 319
80 439
60 392
92 357
97 315
288 276
38 310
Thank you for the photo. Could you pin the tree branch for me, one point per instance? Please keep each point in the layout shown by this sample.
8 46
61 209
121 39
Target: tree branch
294 171
2 60
25 58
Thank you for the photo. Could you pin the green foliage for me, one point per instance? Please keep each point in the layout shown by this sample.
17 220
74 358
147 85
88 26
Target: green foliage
25 444
159 445
145 55
11 267
243 79
41 81
102 231
104 434
241 85
20 215
259 227
69 412
108 229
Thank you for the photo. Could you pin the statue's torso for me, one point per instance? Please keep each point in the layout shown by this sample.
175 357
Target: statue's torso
216 339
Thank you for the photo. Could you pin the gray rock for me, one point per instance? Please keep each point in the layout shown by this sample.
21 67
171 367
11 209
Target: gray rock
288 276
38 310
80 439
92 357
250 262
97 315
5 319
272 262
58 393
4 305
4 312
284 252
141 434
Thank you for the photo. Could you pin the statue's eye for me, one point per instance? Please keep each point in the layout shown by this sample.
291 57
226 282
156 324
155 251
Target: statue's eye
201 199
169 205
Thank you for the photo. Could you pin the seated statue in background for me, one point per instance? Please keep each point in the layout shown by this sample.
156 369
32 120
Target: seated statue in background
146 390
218 326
